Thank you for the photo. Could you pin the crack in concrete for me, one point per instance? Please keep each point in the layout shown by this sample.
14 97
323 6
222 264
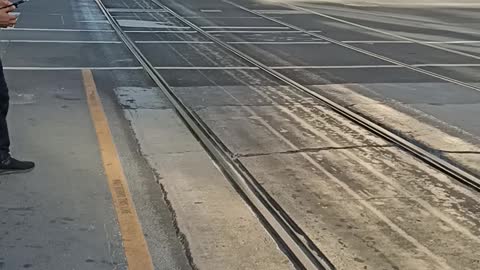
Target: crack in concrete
460 152
259 105
310 150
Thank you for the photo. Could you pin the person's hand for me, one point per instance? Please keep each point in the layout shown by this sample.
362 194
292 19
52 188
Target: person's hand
6 19
4 3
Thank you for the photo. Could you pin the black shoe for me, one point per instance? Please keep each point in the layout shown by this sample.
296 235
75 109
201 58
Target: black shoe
10 165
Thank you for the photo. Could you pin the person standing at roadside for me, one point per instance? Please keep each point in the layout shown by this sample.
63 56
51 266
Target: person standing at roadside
7 163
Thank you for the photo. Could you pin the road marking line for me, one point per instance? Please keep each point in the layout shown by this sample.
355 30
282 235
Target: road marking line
94 21
61 41
446 65
260 31
352 48
206 68
136 23
161 31
335 67
230 42
454 42
231 67
244 27
135 10
373 66
134 243
280 42
56 30
223 17
280 11
173 42
210 10
388 33
410 42
377 41
71 68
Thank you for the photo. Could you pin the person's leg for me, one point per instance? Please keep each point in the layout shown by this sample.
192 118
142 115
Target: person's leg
7 163
4 103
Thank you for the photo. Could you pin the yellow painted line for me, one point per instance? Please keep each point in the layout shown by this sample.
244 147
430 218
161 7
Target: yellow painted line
134 243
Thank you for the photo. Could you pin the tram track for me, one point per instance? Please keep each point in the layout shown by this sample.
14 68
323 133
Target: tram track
298 247
388 33
301 250
440 164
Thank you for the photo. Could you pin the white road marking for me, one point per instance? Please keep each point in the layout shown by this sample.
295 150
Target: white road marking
149 24
62 41
258 32
162 31
281 11
57 30
173 42
432 45
135 10
280 42
211 10
207 68
244 27
69 68
233 67
94 21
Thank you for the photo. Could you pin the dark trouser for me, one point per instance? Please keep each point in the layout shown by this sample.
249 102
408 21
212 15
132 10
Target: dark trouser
4 102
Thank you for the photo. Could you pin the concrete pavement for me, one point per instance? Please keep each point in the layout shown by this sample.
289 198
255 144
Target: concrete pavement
364 202
61 216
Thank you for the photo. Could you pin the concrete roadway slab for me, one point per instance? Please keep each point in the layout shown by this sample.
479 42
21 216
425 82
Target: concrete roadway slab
68 55
194 8
279 36
331 28
199 97
32 35
74 227
368 207
417 54
307 55
371 230
368 217
58 20
185 78
366 197
473 49
450 141
215 222
152 21
438 23
464 74
60 215
43 21
466 116
227 21
439 99
193 77
129 4
410 53
356 75
433 24
427 93
167 36
248 131
187 55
